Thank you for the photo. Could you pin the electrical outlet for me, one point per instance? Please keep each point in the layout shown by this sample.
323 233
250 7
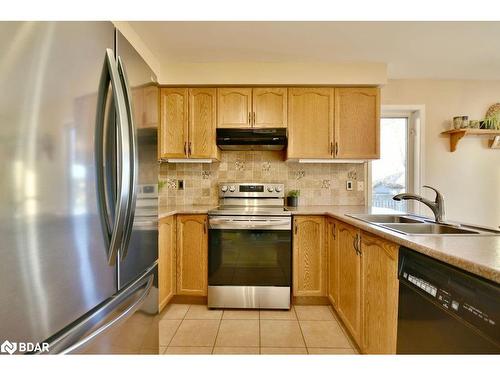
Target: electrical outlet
348 185
180 184
361 185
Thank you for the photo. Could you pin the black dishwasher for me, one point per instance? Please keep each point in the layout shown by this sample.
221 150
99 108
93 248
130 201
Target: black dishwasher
444 310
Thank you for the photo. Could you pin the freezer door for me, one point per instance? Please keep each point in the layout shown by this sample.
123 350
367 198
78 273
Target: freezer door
141 89
53 259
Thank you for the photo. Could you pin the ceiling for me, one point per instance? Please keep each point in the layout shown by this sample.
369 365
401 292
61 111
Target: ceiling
435 50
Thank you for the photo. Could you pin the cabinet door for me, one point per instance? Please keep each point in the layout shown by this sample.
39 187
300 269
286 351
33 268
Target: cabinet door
333 261
380 295
166 260
192 257
309 258
357 123
202 123
234 107
269 107
349 301
151 106
310 123
174 123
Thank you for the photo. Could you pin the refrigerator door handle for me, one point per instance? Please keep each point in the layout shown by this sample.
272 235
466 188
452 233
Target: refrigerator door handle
113 236
117 309
131 158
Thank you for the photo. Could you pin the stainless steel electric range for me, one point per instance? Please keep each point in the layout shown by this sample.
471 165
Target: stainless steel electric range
250 248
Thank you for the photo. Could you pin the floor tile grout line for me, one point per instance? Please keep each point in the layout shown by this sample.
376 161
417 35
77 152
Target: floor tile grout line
218 329
260 339
177 329
303 337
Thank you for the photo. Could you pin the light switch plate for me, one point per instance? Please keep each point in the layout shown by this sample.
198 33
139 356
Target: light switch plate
348 185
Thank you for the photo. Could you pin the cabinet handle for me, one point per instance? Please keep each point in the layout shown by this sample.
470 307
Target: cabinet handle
205 227
189 148
334 230
295 228
254 116
359 245
249 118
331 148
185 149
354 243
336 148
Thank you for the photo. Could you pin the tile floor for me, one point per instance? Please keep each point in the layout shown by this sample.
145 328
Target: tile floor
194 329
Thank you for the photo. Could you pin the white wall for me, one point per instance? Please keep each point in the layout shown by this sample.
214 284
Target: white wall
254 73
469 177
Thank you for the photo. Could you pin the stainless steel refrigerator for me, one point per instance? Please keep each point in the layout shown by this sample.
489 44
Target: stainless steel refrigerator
74 270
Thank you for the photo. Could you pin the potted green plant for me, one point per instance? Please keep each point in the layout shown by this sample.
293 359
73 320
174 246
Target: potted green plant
292 200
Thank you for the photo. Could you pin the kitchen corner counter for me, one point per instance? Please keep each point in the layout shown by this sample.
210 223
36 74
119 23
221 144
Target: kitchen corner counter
479 255
165 211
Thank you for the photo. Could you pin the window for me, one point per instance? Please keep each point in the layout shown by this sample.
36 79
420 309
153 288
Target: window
390 174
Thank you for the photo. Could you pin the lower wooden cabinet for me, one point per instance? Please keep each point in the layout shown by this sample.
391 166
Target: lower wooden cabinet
333 261
166 261
309 257
380 294
192 255
349 304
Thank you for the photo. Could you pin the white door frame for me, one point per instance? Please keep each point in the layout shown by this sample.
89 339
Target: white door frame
416 118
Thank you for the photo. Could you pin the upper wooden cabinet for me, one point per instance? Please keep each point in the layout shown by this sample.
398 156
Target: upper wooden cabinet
258 107
333 261
166 260
192 255
357 123
173 136
202 123
234 107
380 294
146 106
188 123
309 256
349 298
310 123
269 107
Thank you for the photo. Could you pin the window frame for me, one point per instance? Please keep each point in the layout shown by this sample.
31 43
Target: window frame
415 115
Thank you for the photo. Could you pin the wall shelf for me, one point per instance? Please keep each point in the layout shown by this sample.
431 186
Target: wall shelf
457 134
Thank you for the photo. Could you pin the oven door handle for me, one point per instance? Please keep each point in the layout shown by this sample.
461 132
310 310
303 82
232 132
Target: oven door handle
250 224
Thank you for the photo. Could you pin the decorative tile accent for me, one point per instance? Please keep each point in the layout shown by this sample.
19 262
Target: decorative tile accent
171 184
266 166
239 165
206 174
352 175
300 174
325 184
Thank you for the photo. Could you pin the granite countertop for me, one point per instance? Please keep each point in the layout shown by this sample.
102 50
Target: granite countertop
164 211
477 254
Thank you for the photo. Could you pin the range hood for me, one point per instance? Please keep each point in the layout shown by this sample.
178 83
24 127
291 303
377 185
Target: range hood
251 139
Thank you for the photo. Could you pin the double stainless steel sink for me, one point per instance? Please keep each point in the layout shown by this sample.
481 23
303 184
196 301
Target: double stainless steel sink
416 225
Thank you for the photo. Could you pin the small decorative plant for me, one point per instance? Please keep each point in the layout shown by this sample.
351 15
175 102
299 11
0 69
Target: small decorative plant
292 199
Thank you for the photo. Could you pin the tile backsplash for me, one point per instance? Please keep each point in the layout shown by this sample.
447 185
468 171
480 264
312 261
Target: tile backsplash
319 184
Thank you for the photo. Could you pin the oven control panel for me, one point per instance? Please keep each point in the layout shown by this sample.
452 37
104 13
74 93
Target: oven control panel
251 190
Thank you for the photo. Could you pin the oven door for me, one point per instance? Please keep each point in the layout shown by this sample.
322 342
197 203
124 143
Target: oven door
250 251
